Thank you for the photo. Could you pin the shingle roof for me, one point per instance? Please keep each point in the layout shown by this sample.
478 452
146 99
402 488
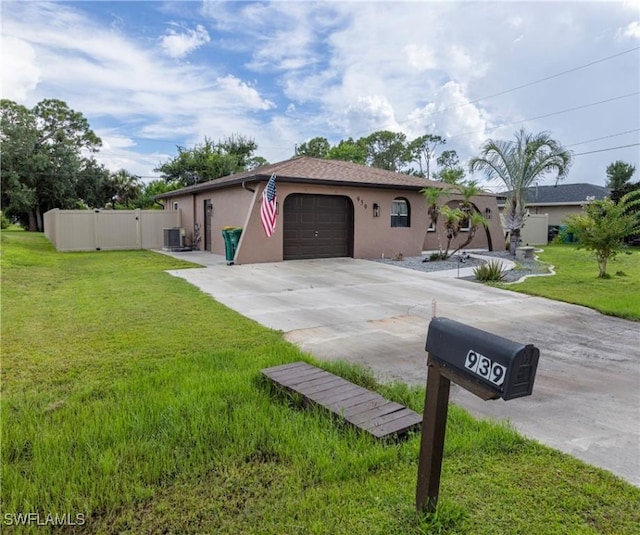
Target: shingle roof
317 171
561 194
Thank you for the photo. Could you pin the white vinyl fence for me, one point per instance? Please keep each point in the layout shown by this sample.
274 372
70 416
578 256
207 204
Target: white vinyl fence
535 230
104 230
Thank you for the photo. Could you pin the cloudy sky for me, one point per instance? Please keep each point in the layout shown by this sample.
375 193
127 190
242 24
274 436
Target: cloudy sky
153 75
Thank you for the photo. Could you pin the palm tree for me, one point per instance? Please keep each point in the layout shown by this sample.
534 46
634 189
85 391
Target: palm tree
432 196
475 220
452 217
468 190
520 164
127 187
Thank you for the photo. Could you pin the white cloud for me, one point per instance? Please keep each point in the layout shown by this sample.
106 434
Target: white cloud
238 91
103 73
465 65
515 21
370 113
449 115
178 45
120 152
20 73
419 57
288 71
631 31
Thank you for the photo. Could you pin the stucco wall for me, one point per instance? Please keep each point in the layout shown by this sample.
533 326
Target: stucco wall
230 207
373 236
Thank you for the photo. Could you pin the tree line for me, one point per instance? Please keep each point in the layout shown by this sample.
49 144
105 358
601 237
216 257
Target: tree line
48 162
391 151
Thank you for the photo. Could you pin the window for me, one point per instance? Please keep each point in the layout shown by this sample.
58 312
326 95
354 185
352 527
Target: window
400 213
175 205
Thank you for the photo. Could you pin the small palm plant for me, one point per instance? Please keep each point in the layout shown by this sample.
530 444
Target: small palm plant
492 271
451 217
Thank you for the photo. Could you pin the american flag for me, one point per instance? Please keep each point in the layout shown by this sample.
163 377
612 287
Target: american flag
268 208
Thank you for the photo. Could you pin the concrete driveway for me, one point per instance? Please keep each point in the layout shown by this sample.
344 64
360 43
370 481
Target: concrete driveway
586 399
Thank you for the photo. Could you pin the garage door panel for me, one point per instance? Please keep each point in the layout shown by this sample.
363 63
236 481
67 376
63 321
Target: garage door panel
329 220
317 226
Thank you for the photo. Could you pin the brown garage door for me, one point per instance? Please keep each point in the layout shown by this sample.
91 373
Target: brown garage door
317 226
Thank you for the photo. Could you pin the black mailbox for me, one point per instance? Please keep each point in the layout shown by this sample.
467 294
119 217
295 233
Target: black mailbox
507 368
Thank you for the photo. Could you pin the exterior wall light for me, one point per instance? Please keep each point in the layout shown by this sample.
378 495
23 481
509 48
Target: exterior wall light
487 213
376 209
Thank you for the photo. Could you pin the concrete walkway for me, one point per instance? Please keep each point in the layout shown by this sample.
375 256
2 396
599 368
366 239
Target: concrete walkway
586 399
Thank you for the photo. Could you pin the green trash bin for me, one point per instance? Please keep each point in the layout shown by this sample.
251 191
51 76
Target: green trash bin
228 253
231 238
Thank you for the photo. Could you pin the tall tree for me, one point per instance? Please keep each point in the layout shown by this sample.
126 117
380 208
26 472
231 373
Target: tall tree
349 150
317 147
450 170
255 162
94 186
58 124
43 150
239 147
387 150
18 138
208 161
619 175
423 148
518 165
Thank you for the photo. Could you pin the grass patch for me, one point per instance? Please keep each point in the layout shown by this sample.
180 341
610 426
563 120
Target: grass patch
133 398
576 281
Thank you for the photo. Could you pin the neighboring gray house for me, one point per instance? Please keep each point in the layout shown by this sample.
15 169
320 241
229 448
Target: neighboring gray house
559 201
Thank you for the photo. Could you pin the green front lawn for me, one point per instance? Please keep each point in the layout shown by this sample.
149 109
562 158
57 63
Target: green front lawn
134 399
576 281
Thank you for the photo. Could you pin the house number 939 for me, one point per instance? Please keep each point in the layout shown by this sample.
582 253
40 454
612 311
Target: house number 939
485 367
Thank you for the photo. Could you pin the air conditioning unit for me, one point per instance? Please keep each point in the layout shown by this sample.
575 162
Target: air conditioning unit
173 239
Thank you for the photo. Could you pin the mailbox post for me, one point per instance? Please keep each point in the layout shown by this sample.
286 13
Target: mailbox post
487 365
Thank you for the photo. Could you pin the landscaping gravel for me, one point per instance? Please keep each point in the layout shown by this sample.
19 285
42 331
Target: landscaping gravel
524 268
418 263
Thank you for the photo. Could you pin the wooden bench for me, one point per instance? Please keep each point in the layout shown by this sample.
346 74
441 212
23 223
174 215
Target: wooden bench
358 406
